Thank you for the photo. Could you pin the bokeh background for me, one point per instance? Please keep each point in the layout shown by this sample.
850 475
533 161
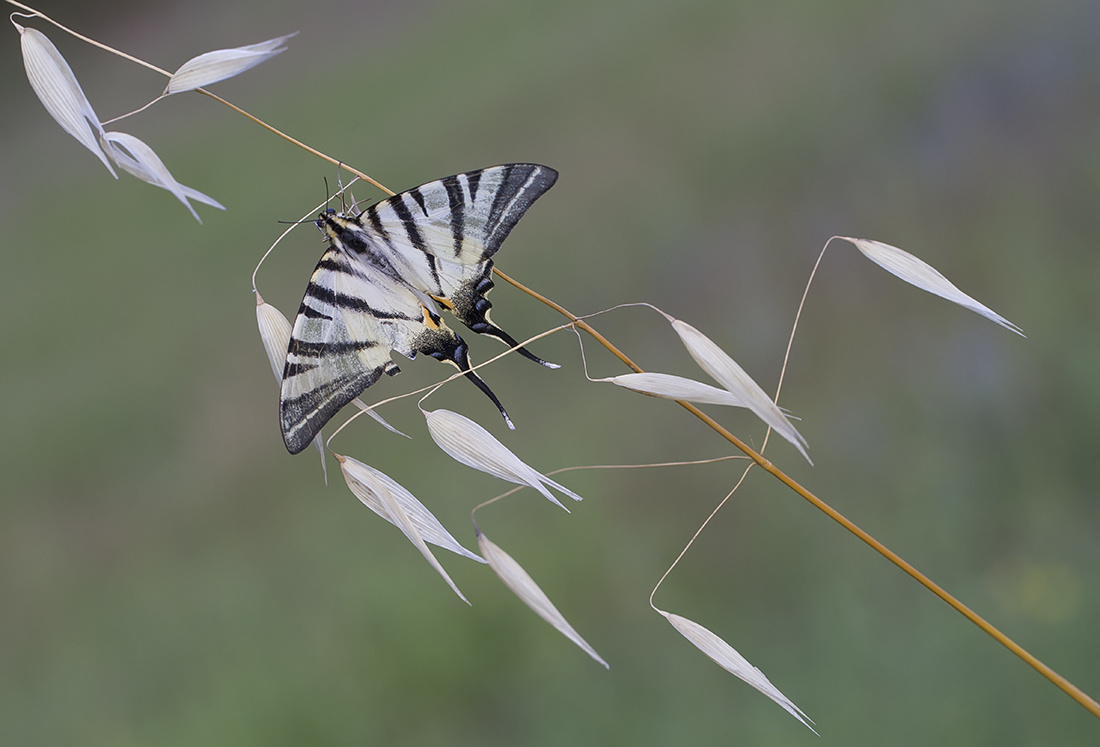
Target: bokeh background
170 576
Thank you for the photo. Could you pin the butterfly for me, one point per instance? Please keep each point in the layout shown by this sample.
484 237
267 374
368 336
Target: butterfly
383 280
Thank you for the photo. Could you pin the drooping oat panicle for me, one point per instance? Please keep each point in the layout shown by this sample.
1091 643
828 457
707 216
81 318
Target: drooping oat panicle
524 587
369 483
667 386
919 273
470 444
220 64
725 370
729 659
398 506
56 86
137 158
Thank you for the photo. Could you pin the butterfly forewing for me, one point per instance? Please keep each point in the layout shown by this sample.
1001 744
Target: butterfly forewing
373 289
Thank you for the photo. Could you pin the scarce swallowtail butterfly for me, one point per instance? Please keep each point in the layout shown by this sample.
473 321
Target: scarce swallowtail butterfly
381 284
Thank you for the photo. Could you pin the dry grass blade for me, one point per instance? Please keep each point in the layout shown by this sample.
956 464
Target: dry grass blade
524 587
725 370
468 443
1079 696
725 656
220 64
398 506
919 273
56 86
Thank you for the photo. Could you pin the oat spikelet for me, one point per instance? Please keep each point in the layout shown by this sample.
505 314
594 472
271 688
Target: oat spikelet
667 386
220 64
468 443
725 656
369 487
137 158
919 273
725 370
56 86
524 587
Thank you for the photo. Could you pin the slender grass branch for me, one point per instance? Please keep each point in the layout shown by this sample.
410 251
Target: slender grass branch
137 61
93 42
296 142
1058 680
1061 682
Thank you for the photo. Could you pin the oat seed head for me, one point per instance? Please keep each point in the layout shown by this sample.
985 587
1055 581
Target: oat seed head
211 67
667 386
56 86
389 500
524 587
369 485
919 273
723 369
274 333
725 656
468 443
137 158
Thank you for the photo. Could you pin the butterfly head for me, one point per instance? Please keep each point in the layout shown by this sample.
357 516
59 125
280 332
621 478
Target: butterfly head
331 223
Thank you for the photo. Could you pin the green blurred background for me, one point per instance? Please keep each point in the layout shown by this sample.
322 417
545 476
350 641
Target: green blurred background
170 576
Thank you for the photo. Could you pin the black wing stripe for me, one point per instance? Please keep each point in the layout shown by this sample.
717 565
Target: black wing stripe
418 195
296 369
375 221
329 297
303 348
473 179
401 209
311 313
457 202
331 261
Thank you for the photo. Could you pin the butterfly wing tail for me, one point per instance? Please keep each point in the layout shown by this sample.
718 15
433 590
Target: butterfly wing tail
487 328
471 307
444 345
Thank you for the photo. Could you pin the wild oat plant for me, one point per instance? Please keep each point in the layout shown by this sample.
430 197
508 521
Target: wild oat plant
354 361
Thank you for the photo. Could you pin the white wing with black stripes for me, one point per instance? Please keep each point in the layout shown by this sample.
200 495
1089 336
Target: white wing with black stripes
377 287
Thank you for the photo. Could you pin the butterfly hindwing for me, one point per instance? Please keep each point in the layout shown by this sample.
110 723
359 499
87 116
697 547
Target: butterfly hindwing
375 289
